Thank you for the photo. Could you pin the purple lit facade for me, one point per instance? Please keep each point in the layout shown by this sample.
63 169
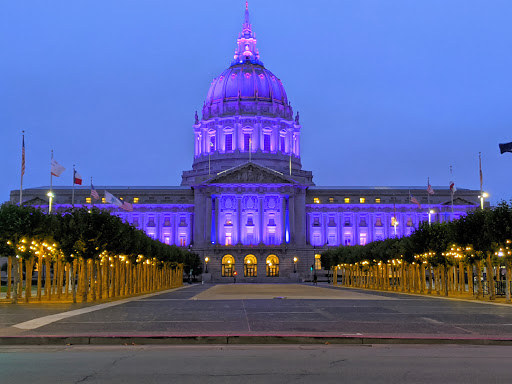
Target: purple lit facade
247 205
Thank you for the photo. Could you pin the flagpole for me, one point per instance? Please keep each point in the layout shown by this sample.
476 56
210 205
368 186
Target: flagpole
481 182
51 188
451 189
428 201
22 165
73 191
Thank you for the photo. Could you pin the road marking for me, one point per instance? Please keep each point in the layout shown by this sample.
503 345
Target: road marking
45 320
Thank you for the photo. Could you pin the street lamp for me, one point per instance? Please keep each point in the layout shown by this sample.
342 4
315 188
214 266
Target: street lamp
483 196
206 259
51 196
295 264
430 212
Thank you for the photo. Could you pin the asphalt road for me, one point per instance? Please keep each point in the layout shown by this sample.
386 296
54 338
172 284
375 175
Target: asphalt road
257 364
253 309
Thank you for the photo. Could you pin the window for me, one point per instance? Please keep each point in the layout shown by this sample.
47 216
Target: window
266 143
250 266
247 142
331 199
167 240
362 200
228 239
103 200
212 143
316 200
183 241
377 200
88 200
347 200
228 266
283 144
229 142
135 200
272 266
318 261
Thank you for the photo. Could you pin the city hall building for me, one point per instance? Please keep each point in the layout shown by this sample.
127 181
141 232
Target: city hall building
247 205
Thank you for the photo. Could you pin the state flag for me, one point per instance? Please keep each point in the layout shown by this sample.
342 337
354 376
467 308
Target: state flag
77 178
111 199
57 169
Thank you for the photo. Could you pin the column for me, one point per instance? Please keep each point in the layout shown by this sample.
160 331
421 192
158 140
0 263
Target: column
283 219
208 219
239 220
216 222
300 218
291 205
261 216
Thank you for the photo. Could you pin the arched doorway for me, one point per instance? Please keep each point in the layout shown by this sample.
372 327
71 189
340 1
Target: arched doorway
272 266
250 266
228 266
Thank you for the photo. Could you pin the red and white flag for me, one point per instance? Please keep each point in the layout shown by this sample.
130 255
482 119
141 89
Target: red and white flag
430 190
415 201
452 187
127 206
23 157
94 193
57 169
77 178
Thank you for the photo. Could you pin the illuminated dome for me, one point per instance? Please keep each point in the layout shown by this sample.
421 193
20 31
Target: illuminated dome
246 80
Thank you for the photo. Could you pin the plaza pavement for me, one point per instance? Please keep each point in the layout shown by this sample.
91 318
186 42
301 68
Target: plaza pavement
260 313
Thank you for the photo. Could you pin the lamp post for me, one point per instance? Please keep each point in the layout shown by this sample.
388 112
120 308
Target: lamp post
430 212
51 196
483 196
206 259
295 265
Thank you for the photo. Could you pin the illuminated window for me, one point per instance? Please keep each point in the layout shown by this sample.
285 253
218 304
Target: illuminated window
212 143
266 143
103 200
135 200
362 200
316 200
229 142
318 261
121 198
88 200
283 145
272 266
377 200
247 142
228 266
228 239
331 199
347 200
250 266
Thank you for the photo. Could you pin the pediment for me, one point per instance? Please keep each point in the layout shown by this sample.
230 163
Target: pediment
35 202
250 173
459 201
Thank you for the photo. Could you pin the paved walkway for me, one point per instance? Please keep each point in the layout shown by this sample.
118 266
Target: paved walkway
233 313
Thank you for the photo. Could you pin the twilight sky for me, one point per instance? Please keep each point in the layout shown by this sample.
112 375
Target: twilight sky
389 91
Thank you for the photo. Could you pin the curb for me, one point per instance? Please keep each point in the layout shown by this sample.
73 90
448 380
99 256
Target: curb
243 339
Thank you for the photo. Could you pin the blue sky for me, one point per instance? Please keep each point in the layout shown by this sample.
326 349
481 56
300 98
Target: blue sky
390 92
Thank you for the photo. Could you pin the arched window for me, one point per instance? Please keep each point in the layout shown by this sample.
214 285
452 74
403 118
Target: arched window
318 262
272 266
250 266
228 266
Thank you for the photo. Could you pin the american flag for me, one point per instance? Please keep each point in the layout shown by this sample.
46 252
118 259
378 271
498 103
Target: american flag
23 156
415 201
94 193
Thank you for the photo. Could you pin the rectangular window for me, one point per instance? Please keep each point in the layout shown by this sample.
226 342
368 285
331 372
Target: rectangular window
135 200
347 200
182 241
229 142
228 238
266 143
362 200
331 199
167 240
316 200
212 143
283 144
103 200
88 200
377 200
247 142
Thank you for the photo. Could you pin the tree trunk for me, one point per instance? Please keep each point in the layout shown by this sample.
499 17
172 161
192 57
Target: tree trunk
490 277
16 270
446 285
9 277
72 273
85 280
469 272
67 281
507 283
39 273
47 281
479 292
29 264
93 280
